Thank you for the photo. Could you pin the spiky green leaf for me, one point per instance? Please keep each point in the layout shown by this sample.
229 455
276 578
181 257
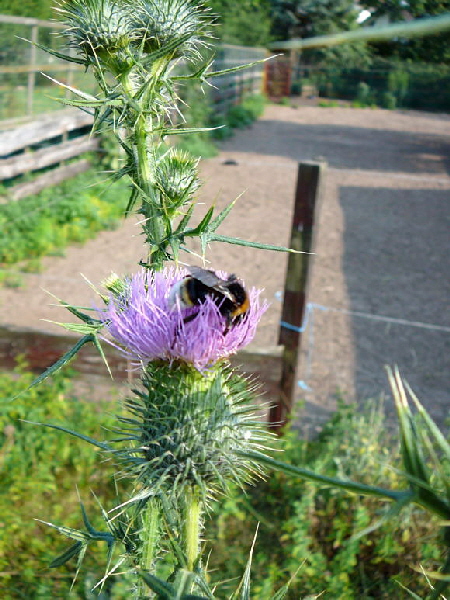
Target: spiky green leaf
238 67
66 358
239 242
72 551
73 59
85 438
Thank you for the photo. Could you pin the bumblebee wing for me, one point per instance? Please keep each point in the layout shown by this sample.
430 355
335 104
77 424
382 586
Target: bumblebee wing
211 280
206 276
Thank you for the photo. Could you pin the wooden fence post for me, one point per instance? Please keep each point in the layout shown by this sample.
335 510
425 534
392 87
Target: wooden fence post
306 204
32 73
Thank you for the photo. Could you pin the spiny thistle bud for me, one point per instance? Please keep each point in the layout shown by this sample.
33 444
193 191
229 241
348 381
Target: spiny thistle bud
186 427
148 324
100 29
175 26
117 286
177 179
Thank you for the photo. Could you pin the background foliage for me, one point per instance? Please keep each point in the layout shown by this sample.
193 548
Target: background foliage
432 48
257 22
308 531
73 211
33 485
305 529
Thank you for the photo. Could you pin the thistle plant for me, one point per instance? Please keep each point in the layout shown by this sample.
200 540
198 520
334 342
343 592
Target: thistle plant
182 428
190 428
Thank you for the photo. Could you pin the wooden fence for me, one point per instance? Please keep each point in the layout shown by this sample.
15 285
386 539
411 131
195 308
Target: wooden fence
44 143
34 138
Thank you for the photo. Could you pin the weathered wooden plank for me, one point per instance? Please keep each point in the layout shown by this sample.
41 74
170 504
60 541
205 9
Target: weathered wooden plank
46 68
30 21
22 163
42 129
46 180
42 349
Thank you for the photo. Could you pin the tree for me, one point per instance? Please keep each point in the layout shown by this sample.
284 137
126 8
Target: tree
311 18
432 48
246 22
39 9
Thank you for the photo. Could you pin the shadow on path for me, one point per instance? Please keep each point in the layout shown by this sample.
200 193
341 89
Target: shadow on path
347 147
396 263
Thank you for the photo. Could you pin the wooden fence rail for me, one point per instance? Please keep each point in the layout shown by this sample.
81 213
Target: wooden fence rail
42 349
20 152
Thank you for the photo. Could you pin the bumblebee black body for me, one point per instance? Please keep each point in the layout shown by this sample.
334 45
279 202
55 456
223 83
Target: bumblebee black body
229 294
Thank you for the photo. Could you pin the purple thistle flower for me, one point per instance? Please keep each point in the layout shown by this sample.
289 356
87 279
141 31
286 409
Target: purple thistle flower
145 324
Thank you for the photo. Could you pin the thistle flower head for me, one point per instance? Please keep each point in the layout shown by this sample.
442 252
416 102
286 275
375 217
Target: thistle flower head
177 26
148 323
186 429
97 28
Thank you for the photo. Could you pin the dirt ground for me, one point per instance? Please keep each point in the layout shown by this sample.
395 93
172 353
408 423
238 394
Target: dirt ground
382 248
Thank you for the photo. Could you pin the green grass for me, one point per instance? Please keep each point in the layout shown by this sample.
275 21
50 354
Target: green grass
42 473
46 223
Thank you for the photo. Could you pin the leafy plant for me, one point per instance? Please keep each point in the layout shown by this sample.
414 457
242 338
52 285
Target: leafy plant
328 541
34 486
73 211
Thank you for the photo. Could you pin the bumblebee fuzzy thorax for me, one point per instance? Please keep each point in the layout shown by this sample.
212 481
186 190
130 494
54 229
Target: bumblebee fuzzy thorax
229 294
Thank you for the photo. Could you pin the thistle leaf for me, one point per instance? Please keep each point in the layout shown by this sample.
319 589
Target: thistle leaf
350 486
78 61
239 242
132 201
239 67
164 590
184 221
199 74
67 357
84 95
67 555
202 226
186 130
217 221
85 438
73 534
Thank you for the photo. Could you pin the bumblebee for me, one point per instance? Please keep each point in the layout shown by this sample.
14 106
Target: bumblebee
229 294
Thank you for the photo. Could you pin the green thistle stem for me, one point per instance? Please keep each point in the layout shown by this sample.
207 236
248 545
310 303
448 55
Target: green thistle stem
150 536
192 527
142 132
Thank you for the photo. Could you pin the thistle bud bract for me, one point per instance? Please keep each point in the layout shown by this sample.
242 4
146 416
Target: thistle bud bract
177 26
177 179
100 29
148 323
186 427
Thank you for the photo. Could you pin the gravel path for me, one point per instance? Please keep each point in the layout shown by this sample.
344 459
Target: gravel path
382 247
